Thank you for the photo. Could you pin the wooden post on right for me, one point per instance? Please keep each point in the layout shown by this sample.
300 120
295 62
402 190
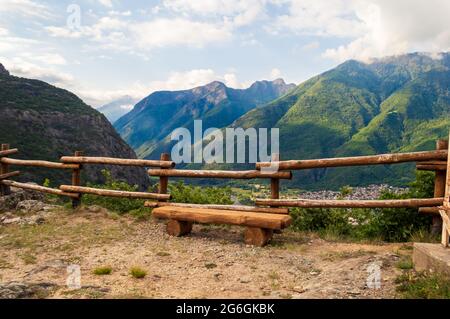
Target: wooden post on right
76 181
439 188
164 180
275 182
4 168
445 232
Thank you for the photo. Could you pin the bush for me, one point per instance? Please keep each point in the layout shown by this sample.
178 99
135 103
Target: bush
116 204
100 271
137 272
182 193
423 286
389 224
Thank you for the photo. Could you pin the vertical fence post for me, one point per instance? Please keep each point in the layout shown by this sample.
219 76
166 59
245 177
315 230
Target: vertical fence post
445 234
76 181
439 188
275 182
164 180
4 168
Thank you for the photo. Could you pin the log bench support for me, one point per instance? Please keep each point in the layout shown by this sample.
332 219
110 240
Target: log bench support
258 236
178 228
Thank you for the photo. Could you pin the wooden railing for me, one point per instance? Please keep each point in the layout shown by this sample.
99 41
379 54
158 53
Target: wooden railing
164 168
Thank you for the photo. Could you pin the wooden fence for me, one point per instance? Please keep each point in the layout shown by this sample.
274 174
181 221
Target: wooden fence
164 168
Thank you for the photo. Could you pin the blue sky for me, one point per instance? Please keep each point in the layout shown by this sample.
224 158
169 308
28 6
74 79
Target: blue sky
119 47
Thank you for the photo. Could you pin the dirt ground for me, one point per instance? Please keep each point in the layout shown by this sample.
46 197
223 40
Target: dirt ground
212 262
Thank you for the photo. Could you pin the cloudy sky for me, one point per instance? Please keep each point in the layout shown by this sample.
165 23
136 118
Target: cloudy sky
105 49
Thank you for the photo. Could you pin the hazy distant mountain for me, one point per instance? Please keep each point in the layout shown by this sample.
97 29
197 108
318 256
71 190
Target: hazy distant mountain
148 126
117 108
394 104
46 122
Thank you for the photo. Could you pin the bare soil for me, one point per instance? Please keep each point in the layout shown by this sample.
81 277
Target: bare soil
212 262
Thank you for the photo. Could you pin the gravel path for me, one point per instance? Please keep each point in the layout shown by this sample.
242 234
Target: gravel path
212 262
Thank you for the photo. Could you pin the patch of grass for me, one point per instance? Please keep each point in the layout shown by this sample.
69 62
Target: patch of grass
339 255
138 272
210 265
405 263
413 285
162 254
274 275
104 270
28 258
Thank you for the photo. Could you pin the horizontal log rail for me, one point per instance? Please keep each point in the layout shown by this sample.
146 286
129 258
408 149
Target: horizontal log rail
429 210
46 164
112 193
38 188
218 174
240 208
117 161
381 159
9 175
9 152
432 166
311 203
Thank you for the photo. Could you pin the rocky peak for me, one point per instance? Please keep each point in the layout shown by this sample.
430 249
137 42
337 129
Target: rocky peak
3 71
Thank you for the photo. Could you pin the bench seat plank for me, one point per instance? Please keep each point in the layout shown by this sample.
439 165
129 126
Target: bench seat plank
217 216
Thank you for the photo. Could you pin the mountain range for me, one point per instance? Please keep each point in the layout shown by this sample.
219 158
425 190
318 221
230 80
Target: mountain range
45 122
393 104
148 126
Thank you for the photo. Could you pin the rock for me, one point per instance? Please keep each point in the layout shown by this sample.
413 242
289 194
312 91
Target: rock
17 195
15 290
244 280
30 206
299 289
14 220
35 220
95 209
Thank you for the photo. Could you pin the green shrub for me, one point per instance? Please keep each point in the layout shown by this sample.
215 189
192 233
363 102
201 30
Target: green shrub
182 193
116 204
138 272
423 286
390 224
100 271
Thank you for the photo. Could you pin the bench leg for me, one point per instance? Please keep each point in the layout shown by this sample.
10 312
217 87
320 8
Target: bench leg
257 236
178 228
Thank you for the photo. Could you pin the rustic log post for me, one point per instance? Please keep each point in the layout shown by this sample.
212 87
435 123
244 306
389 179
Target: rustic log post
178 228
4 169
446 214
274 191
257 236
439 188
76 181
275 182
164 180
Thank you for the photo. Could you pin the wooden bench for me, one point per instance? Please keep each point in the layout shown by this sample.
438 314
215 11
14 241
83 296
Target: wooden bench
260 226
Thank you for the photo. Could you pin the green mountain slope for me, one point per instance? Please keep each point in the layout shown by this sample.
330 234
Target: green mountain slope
46 122
391 105
148 126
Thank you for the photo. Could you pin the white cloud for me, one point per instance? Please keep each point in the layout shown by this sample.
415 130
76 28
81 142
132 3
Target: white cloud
25 8
396 27
175 81
234 12
275 73
311 46
320 18
170 32
22 67
106 3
